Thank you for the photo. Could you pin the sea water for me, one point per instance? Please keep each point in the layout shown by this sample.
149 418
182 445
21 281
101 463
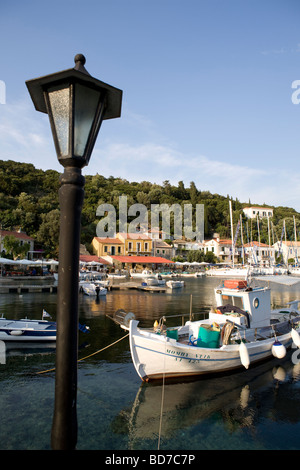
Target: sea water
253 409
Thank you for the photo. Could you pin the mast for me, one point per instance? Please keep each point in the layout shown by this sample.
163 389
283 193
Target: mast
231 223
296 246
259 256
269 241
242 239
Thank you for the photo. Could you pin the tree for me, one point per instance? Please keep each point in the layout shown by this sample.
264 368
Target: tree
48 233
13 246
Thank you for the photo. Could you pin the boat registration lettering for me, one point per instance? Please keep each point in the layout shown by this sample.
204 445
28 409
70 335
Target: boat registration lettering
179 355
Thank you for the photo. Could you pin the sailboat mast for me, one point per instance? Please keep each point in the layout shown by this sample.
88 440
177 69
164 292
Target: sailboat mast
242 239
269 234
231 223
296 246
259 251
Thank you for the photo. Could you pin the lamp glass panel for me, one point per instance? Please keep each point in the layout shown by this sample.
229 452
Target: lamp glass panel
86 104
59 102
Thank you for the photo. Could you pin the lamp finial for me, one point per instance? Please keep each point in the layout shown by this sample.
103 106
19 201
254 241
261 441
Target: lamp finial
80 60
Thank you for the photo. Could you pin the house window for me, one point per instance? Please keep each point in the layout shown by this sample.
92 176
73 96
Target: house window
146 246
138 247
105 248
130 246
119 249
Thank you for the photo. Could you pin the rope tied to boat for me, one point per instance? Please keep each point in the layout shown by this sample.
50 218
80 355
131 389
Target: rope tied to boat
90 355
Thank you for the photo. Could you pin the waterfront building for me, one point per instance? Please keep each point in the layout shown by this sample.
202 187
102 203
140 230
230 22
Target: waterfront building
288 250
107 246
155 234
22 238
259 253
161 248
135 243
123 244
221 248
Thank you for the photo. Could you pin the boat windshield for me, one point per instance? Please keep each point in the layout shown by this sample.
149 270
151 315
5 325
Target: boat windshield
233 300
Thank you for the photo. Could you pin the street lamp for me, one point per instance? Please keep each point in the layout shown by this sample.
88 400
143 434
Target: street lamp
76 104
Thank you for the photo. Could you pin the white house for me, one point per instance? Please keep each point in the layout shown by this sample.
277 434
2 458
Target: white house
259 253
288 250
222 248
253 212
22 238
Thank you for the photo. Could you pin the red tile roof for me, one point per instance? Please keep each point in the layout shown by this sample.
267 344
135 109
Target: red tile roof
134 236
255 243
21 235
142 259
109 241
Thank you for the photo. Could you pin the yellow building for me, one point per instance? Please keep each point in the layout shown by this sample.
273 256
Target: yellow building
123 244
107 246
136 243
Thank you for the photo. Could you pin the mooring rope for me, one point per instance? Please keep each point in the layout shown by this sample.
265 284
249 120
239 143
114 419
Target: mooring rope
90 355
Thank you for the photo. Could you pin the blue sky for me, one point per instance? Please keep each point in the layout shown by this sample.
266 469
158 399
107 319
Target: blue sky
207 88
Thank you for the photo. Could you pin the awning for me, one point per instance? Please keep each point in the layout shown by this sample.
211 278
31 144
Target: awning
92 259
142 259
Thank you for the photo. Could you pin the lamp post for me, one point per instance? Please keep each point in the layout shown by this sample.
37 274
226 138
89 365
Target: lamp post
76 104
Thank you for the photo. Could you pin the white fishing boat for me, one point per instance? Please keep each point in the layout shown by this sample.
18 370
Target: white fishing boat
175 284
241 331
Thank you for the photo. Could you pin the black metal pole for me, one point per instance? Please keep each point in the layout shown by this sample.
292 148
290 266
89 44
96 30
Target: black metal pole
64 426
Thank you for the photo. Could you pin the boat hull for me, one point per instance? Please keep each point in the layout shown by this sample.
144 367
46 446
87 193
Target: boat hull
27 331
157 356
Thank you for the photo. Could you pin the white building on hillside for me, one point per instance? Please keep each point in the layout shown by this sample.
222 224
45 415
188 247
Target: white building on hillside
253 212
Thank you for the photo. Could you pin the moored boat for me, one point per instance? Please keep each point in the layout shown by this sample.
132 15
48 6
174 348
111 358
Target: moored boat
175 284
229 272
143 274
241 331
116 276
93 289
155 280
27 330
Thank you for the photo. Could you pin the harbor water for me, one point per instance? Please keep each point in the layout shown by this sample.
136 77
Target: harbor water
254 409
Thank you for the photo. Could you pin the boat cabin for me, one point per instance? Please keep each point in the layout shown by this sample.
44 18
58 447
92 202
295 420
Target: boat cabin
244 305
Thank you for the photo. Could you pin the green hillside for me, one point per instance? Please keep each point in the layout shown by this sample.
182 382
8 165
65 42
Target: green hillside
29 200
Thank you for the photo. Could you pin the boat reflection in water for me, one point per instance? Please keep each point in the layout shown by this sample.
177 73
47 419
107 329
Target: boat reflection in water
165 410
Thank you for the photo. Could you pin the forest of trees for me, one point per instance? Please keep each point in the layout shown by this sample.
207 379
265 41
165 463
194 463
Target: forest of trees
29 201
